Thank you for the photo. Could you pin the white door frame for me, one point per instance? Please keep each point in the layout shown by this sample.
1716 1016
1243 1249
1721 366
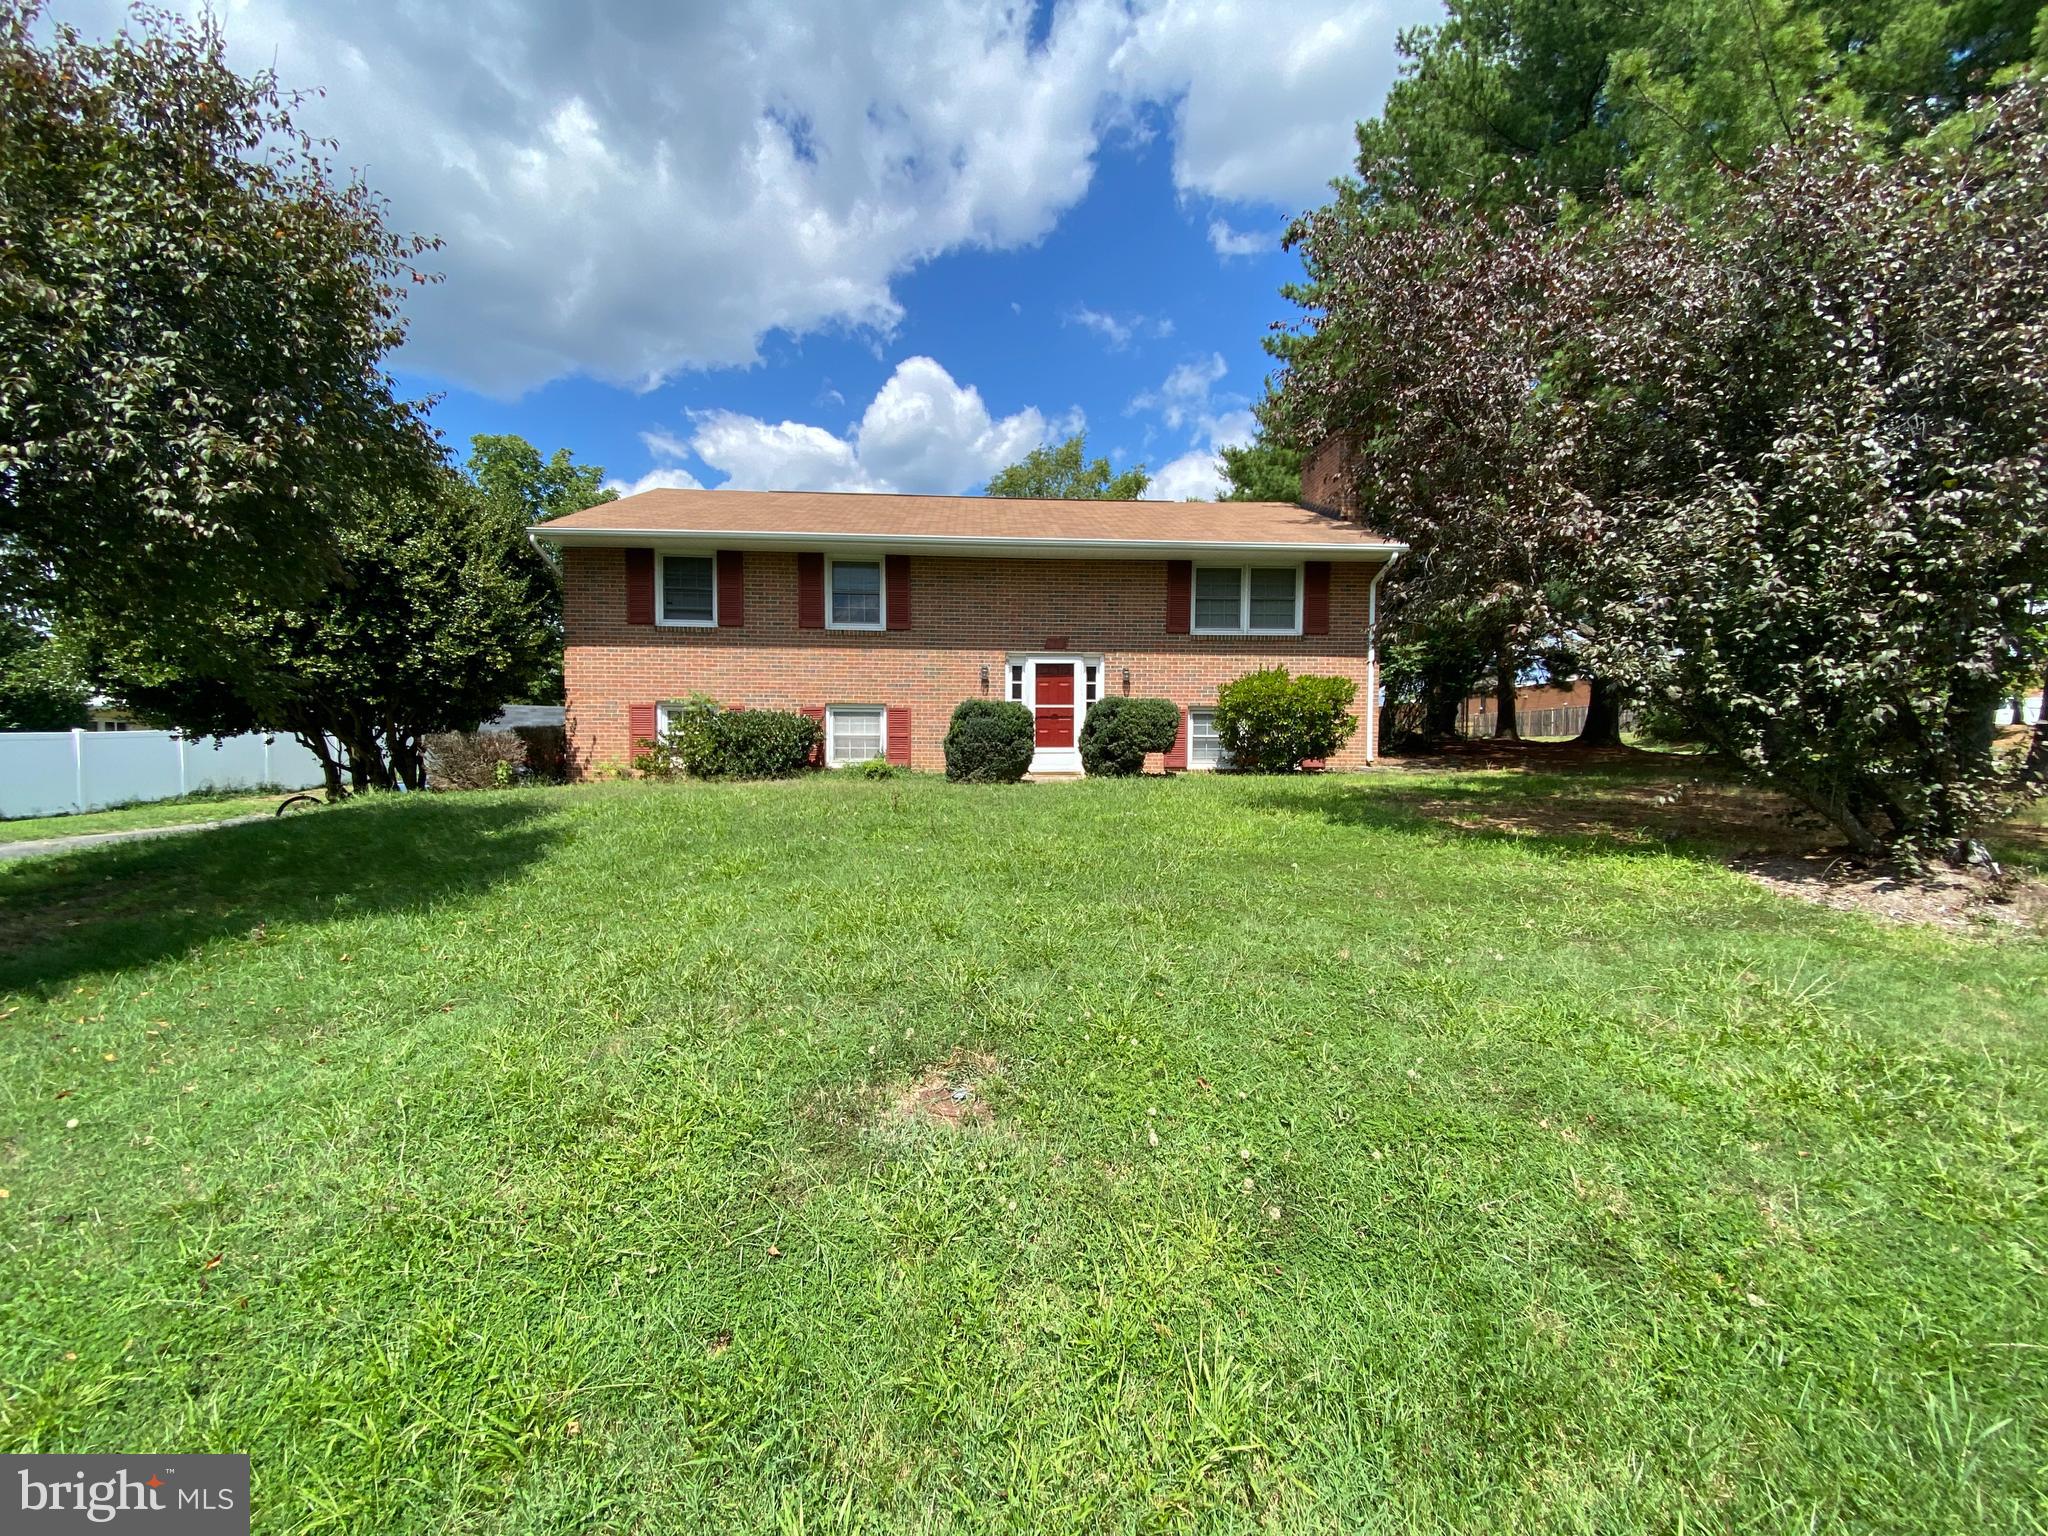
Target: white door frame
1053 759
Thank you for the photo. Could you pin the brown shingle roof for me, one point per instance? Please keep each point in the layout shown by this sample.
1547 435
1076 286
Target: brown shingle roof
841 517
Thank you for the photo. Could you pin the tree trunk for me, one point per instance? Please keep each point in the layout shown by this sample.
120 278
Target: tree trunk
315 741
2035 774
1440 713
1603 716
1504 679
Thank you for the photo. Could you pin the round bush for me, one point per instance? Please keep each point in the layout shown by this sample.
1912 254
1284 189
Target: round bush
1119 732
1270 722
989 742
707 741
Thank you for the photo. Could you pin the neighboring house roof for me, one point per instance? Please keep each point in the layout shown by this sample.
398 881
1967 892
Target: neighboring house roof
966 525
513 716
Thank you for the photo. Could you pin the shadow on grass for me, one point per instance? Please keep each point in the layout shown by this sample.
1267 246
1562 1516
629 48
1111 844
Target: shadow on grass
1680 810
131 904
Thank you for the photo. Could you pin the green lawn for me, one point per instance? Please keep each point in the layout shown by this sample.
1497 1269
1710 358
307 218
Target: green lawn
556 1161
186 810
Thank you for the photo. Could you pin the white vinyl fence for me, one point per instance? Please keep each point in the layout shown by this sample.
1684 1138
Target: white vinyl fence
48 773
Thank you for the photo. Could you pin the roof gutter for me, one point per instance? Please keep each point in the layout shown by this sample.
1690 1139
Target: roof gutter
1372 652
958 544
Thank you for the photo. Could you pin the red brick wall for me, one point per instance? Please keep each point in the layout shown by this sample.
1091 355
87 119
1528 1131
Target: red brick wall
965 614
1327 478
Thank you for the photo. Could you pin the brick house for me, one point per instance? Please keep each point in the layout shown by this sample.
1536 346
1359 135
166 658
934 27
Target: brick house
877 614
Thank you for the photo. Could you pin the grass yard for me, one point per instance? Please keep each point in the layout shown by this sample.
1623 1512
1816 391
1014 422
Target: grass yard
1393 1153
184 811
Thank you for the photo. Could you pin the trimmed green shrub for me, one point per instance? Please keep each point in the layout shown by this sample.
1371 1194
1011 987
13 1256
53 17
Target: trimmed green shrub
1272 723
1120 731
707 741
989 742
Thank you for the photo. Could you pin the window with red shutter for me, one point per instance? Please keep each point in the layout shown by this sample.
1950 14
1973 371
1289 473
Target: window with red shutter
641 727
899 734
896 575
810 591
1315 598
732 589
1180 586
639 586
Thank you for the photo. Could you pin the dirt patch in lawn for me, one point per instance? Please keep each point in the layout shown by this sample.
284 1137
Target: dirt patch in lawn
947 1095
1960 900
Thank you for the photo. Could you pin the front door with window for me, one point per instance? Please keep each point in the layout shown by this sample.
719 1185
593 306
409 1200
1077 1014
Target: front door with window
1055 705
1058 691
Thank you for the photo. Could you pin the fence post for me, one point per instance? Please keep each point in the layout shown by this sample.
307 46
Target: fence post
178 740
77 769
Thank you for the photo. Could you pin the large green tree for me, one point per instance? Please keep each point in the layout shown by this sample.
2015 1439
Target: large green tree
1813 434
195 312
42 687
1066 473
521 488
1783 472
1535 109
435 618
1268 468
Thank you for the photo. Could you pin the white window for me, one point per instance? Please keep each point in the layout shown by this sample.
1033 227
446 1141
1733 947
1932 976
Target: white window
853 594
1247 600
1205 747
1017 682
689 589
1091 688
853 734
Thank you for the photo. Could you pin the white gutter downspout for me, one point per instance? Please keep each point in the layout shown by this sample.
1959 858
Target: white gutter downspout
1372 659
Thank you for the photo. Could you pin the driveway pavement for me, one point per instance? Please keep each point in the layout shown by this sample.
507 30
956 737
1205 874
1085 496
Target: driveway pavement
90 839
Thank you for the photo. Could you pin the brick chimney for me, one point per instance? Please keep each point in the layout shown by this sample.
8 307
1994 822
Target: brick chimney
1328 481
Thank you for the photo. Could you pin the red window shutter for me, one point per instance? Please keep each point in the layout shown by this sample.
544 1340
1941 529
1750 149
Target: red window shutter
1177 754
732 589
639 586
1315 598
1180 590
817 713
810 591
896 585
640 726
899 734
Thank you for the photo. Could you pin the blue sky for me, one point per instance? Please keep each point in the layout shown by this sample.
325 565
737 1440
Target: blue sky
873 244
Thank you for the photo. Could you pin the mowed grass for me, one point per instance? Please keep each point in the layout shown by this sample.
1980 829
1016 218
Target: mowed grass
537 1161
186 810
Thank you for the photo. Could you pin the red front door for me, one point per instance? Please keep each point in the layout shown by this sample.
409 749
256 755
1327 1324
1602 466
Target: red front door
1056 704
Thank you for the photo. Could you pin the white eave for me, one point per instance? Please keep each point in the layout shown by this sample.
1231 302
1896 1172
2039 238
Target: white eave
961 544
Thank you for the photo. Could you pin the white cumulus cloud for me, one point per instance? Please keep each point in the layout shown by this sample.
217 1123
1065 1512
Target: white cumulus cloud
1228 242
1265 98
923 432
634 188
1188 400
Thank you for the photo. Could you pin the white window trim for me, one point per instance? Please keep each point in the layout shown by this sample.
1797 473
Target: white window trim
1244 600
661 587
881 713
881 565
1209 710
